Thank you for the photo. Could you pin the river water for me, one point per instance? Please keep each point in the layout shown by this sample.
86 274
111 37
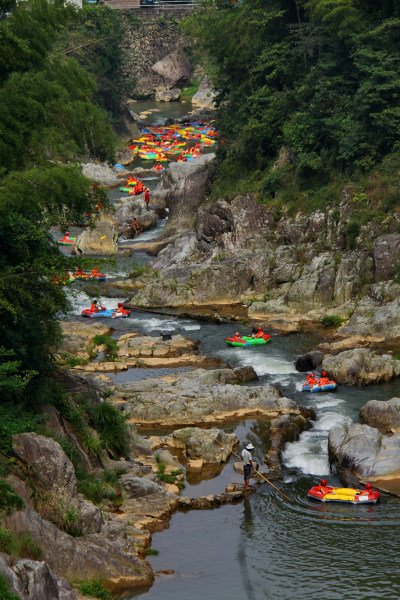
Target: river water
269 548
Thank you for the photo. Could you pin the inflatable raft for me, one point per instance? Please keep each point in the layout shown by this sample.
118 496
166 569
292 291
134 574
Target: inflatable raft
247 340
327 387
99 277
105 314
344 495
66 242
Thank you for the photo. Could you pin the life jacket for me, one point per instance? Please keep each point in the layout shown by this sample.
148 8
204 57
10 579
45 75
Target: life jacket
323 381
95 272
323 489
311 381
94 308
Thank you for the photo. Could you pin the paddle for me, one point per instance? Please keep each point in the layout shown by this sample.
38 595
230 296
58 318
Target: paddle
260 474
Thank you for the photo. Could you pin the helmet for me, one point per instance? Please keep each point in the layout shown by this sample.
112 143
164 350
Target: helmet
119 304
312 375
237 333
259 328
323 373
368 486
323 482
67 233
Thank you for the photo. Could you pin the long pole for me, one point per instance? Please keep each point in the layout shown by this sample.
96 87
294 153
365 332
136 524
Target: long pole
261 475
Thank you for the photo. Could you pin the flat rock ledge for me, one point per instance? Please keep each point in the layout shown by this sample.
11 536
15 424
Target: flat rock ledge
362 454
200 398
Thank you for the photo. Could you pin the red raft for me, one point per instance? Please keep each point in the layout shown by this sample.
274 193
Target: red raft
344 495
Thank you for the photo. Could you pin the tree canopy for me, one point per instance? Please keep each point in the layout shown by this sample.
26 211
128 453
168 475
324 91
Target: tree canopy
318 76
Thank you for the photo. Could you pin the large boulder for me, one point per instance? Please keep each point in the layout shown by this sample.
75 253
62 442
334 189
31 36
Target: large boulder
362 453
52 476
309 362
213 446
102 173
386 255
174 69
361 367
183 188
167 95
205 95
40 583
102 240
385 416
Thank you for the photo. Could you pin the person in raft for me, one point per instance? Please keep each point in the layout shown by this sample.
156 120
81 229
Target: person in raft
95 309
120 308
236 337
323 380
66 236
79 272
147 198
311 380
368 489
95 272
248 464
322 486
259 333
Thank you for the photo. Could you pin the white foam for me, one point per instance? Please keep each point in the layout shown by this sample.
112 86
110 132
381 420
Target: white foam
309 455
191 327
265 364
80 300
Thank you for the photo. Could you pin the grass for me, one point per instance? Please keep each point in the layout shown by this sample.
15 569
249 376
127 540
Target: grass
111 346
169 477
332 321
19 545
112 428
74 361
152 552
94 588
9 500
5 593
15 419
99 487
189 91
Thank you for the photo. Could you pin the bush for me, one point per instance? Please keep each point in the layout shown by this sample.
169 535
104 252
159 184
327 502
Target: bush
5 593
111 346
13 420
9 500
332 321
94 588
98 487
111 426
19 545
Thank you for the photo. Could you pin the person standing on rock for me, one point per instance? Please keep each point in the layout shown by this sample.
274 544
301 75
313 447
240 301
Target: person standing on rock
147 198
248 464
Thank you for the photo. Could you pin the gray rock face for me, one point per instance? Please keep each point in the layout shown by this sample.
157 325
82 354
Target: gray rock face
52 469
386 255
137 487
309 361
205 95
103 239
197 399
174 69
167 95
82 557
361 367
183 188
52 473
362 453
384 416
14 584
41 583
212 445
102 173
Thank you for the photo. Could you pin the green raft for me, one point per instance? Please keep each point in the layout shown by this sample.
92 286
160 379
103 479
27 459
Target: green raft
247 340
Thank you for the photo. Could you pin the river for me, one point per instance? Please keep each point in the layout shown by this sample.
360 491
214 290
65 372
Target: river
269 548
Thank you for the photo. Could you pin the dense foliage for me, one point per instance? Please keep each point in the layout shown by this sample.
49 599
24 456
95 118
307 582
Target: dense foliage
321 77
49 119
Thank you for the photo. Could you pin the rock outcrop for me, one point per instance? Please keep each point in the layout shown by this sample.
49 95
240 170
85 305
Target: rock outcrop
201 398
205 95
384 416
174 69
33 580
102 240
182 188
102 173
361 367
167 95
208 447
361 453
